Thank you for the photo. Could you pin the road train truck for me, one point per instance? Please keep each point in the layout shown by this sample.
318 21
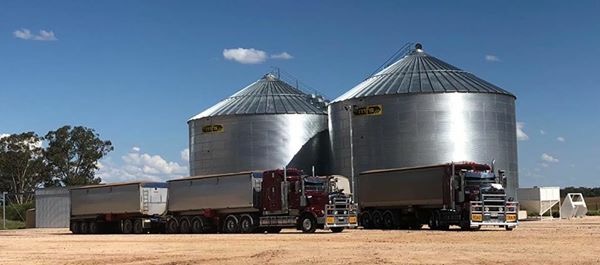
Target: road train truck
258 202
134 207
465 194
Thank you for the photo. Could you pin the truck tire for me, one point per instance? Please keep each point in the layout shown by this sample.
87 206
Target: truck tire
377 219
337 229
198 226
434 222
247 224
84 228
185 227
127 226
94 228
138 226
366 220
75 227
231 224
172 226
389 222
508 228
308 224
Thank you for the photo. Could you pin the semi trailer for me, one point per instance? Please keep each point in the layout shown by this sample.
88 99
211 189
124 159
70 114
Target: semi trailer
246 202
465 194
258 202
133 207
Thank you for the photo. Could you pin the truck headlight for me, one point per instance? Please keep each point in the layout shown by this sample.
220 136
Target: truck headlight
330 220
487 209
352 219
476 217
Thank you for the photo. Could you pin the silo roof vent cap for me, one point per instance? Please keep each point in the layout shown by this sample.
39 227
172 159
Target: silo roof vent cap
419 47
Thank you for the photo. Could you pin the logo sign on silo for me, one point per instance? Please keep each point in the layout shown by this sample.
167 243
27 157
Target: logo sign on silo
369 110
212 128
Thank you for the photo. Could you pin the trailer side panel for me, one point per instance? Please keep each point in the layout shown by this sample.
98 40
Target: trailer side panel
122 199
425 187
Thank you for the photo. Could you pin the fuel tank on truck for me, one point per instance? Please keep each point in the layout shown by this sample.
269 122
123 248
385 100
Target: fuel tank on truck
420 110
267 124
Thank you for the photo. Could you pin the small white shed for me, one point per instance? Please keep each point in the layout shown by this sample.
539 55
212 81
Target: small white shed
538 200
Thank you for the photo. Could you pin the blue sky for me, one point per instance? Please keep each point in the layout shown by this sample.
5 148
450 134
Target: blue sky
137 70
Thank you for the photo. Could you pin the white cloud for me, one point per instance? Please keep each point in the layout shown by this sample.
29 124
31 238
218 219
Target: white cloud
521 135
492 58
245 56
185 154
542 132
282 56
43 35
560 139
2 135
549 158
140 166
544 164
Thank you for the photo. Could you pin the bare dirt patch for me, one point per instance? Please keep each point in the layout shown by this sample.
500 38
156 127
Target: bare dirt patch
539 242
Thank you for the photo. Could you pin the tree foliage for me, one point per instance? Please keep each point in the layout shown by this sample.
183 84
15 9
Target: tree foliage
586 192
72 155
22 166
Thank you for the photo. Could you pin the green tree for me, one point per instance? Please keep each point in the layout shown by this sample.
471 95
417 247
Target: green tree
22 166
72 155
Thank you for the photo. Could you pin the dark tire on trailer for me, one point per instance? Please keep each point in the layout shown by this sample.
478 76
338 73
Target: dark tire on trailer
127 226
185 226
198 225
172 226
308 223
434 222
75 227
273 230
94 227
247 224
366 220
415 225
389 222
377 219
337 229
231 224
138 226
83 228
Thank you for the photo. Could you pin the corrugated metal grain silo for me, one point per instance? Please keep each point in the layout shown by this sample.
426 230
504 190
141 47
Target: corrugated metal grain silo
268 124
419 111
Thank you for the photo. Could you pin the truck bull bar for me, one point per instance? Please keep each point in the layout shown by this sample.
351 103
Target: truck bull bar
494 211
341 213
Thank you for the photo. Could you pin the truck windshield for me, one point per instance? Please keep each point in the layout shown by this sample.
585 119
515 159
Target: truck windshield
314 184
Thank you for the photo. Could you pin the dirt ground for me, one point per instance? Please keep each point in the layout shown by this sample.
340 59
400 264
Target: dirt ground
533 242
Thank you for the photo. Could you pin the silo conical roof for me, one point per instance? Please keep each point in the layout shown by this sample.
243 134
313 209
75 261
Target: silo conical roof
419 72
268 95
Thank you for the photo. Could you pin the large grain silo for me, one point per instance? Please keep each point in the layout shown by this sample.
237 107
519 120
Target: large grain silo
268 124
420 111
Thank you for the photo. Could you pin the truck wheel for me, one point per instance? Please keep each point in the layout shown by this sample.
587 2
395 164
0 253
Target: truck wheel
172 226
184 225
138 226
93 227
84 228
308 224
337 229
377 219
434 223
127 226
509 228
247 224
198 225
366 220
388 220
415 225
75 227
232 224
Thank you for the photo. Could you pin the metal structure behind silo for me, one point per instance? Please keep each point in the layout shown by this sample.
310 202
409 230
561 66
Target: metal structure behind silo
268 124
419 111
